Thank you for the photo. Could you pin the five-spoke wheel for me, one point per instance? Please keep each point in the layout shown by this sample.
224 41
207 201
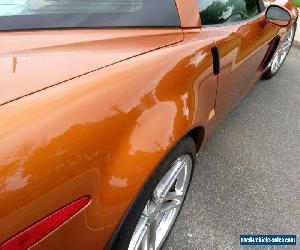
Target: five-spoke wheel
163 207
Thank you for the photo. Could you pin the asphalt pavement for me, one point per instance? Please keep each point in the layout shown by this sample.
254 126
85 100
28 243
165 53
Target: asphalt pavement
247 178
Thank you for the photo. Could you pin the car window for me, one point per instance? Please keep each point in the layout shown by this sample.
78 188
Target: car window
41 7
40 14
227 11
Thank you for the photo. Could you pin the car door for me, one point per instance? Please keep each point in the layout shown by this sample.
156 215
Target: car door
243 41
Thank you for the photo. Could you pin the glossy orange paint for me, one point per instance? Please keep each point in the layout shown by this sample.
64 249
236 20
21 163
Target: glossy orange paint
100 134
189 13
51 53
242 49
93 112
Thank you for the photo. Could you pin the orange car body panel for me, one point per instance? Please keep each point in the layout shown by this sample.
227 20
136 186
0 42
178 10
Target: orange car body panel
242 49
100 134
188 13
60 56
93 112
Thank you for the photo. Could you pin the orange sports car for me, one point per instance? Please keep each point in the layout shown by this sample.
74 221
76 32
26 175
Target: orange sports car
104 105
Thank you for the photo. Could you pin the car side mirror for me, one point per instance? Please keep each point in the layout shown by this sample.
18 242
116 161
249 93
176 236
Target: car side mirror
278 15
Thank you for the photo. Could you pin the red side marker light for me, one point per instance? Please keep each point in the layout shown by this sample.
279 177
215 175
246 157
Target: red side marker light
42 228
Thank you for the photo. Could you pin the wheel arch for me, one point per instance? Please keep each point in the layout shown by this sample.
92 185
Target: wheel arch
198 135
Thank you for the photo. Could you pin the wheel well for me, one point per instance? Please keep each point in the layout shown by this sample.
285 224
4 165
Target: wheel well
197 134
274 44
271 52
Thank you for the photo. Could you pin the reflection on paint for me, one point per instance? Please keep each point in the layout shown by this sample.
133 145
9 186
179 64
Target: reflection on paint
157 123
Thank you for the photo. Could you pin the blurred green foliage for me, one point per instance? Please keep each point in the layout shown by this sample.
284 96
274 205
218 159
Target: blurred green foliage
219 10
297 2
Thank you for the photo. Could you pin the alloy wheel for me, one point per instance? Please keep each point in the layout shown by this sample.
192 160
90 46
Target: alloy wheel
282 51
163 207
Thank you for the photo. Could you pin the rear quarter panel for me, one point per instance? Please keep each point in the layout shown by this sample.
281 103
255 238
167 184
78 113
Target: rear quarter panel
102 135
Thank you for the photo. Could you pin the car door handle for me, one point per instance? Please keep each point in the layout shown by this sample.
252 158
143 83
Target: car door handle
216 60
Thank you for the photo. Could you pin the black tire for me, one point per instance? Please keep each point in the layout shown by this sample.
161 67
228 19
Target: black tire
268 74
122 240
